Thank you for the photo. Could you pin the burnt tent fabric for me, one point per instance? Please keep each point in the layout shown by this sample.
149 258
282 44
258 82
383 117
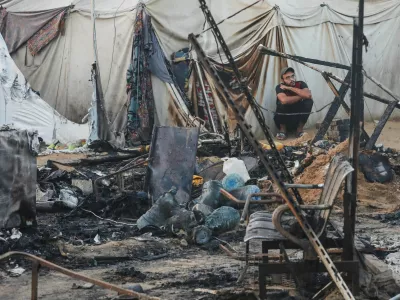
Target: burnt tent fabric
140 93
181 67
18 178
147 59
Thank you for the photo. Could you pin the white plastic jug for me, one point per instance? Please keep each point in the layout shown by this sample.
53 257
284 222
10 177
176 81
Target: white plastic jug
234 165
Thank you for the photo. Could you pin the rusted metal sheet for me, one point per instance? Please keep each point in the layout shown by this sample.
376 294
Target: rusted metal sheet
18 178
172 160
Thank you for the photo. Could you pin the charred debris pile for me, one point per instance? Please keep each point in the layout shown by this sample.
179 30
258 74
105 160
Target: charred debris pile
170 188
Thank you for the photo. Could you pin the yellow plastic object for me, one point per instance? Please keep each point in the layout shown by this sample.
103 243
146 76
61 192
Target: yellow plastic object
278 145
197 180
145 149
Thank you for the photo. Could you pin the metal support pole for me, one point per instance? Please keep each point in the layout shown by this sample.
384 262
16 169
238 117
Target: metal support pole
206 103
357 105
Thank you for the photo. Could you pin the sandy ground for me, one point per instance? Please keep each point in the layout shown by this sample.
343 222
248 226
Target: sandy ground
389 137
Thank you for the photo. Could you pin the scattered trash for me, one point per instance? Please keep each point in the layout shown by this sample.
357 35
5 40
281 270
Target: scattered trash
97 240
223 219
68 198
86 186
163 209
243 192
203 208
232 181
376 167
237 166
182 222
16 272
136 288
85 286
15 234
211 194
201 235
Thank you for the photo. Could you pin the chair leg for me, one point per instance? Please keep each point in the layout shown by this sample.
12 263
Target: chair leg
355 282
262 283
264 250
243 273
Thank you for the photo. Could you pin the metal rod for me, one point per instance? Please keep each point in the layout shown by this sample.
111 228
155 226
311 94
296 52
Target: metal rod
379 99
206 103
50 265
236 200
287 260
381 86
333 109
382 122
365 135
304 186
357 106
266 50
242 258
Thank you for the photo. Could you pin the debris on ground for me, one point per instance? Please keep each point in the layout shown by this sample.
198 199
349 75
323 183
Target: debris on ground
98 209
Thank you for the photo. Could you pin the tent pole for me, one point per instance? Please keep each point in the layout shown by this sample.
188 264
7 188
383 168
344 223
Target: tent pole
357 108
206 103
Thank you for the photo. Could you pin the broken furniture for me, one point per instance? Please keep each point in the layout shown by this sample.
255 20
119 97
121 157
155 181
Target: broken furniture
18 177
274 234
126 178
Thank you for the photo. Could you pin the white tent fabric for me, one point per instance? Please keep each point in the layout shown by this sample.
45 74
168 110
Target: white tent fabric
311 28
24 109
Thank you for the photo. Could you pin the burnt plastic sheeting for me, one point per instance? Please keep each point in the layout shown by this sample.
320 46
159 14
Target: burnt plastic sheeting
172 162
17 179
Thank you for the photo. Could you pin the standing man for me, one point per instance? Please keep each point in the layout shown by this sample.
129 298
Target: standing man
293 104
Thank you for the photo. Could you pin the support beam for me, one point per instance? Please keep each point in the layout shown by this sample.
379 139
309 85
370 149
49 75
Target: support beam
333 109
380 99
381 86
268 51
364 134
382 122
357 106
